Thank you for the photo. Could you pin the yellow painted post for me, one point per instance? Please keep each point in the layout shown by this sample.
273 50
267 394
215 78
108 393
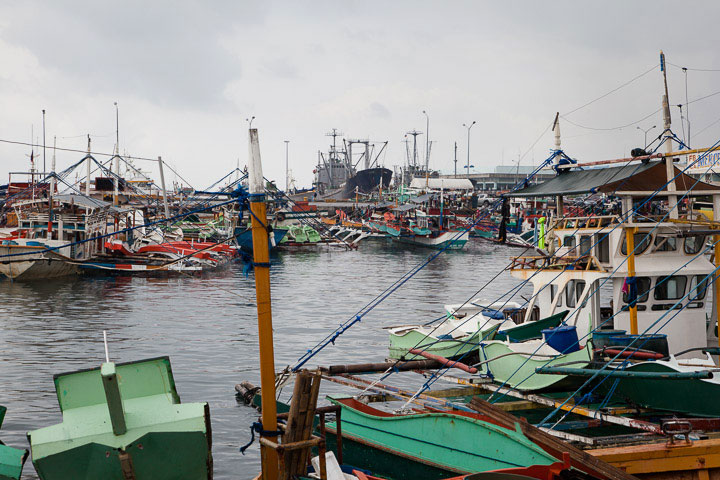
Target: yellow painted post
630 242
261 258
717 285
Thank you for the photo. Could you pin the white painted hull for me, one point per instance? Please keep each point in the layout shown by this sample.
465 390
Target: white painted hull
34 264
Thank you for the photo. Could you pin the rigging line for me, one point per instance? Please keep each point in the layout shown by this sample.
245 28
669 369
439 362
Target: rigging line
612 91
536 141
708 126
38 145
611 128
694 69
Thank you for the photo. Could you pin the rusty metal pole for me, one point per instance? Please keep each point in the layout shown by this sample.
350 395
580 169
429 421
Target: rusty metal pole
261 259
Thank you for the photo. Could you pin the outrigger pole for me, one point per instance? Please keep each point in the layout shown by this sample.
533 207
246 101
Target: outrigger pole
261 263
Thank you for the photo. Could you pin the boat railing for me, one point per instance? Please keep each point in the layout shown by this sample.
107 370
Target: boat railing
600 221
567 262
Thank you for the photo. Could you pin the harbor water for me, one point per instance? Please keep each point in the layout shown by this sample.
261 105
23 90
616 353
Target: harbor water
207 325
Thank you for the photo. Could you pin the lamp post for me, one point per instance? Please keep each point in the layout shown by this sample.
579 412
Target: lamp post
646 132
468 146
287 170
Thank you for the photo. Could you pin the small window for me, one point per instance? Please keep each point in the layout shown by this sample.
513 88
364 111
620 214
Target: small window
573 292
553 291
641 241
569 241
585 245
694 244
670 288
643 290
698 287
570 294
603 243
665 244
640 308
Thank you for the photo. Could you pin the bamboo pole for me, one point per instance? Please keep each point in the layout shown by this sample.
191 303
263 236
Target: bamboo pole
261 258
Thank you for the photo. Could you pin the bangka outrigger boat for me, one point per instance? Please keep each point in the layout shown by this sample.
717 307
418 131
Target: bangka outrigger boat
123 421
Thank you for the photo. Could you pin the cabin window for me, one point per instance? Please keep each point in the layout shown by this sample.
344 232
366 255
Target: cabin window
641 241
698 287
553 291
694 244
603 244
665 244
643 290
670 287
585 245
573 292
569 241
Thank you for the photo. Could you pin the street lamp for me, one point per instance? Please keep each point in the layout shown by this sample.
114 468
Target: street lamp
646 132
468 146
427 142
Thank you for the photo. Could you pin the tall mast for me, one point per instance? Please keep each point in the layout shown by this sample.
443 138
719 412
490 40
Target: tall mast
87 176
669 166
261 258
116 180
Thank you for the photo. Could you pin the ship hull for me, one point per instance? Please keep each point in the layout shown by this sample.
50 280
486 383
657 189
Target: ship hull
366 181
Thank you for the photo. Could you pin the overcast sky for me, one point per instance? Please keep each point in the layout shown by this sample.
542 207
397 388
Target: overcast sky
186 75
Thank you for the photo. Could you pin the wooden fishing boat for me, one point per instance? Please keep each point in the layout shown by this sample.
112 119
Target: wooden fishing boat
429 445
243 236
124 421
515 364
663 389
11 459
457 335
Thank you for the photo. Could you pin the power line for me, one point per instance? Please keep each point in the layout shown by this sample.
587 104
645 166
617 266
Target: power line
695 69
613 90
611 128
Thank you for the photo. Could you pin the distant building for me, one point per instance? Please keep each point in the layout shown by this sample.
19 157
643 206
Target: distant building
504 177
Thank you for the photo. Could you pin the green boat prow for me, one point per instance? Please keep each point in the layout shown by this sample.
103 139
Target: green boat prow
11 459
124 419
430 445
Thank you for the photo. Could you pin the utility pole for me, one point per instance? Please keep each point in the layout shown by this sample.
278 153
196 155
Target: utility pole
427 143
44 168
287 168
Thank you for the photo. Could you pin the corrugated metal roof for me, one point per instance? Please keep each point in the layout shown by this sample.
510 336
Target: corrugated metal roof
650 177
445 183
82 201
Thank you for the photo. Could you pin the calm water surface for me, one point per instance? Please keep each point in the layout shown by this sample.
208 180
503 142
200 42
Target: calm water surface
208 324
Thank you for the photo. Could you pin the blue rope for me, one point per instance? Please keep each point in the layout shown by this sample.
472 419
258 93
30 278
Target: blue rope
258 427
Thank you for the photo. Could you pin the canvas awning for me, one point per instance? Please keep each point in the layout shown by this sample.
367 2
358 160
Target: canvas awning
442 183
636 180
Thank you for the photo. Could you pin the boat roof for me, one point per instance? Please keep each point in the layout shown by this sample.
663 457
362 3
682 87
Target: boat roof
82 201
636 180
444 183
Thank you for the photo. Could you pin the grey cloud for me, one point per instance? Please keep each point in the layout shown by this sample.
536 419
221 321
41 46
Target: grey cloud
168 53
379 110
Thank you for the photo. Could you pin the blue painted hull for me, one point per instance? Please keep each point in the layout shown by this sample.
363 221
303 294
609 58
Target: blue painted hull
244 238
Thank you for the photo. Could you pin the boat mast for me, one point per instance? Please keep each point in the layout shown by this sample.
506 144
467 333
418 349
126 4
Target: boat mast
87 176
164 192
116 180
261 262
669 166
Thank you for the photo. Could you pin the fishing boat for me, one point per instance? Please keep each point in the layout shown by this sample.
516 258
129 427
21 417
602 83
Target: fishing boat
11 459
52 235
429 445
456 335
121 421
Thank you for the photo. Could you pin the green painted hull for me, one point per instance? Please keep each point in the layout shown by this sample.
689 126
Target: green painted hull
687 396
518 371
430 445
164 438
400 345
531 330
11 462
11 459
